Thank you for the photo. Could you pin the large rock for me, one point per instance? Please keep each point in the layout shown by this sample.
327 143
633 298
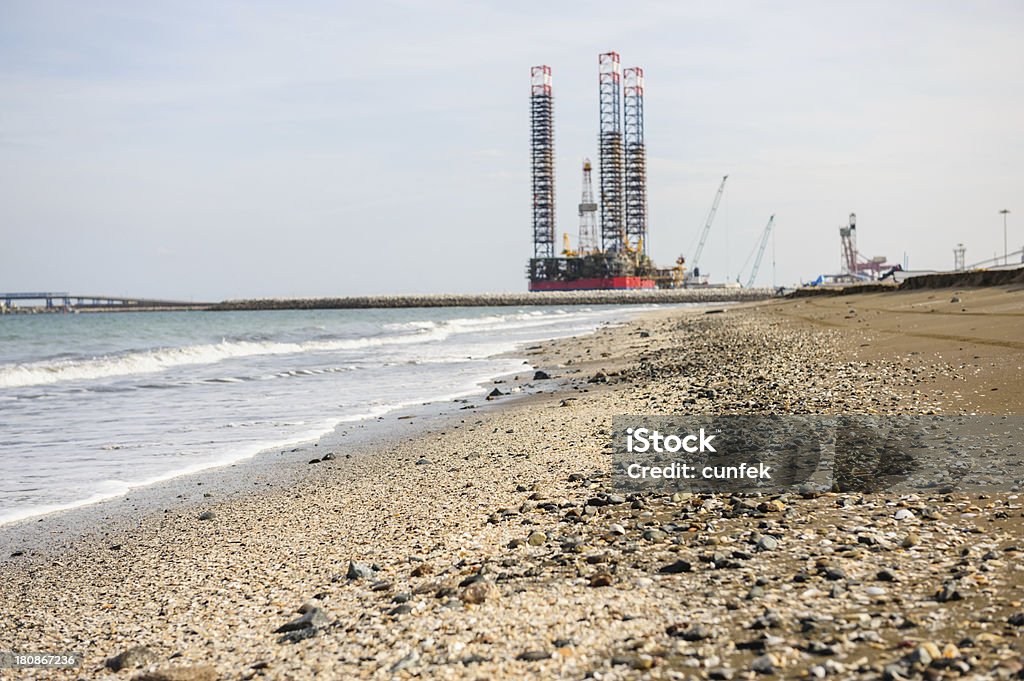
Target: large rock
139 656
359 571
313 619
194 673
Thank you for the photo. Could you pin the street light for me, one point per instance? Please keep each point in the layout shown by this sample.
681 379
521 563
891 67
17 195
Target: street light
1006 251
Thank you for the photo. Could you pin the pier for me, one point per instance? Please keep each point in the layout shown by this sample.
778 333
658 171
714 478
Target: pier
62 300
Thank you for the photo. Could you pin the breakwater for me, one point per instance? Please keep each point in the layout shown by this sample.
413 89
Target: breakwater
689 295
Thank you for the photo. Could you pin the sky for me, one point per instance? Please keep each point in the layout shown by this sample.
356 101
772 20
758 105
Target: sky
213 150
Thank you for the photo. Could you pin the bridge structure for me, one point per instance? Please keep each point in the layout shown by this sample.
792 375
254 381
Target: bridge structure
55 300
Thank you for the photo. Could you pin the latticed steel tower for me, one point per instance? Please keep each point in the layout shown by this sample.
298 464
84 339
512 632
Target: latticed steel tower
542 149
848 239
610 148
635 159
588 214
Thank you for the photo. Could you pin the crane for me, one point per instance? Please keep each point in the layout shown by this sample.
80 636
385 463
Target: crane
760 253
707 226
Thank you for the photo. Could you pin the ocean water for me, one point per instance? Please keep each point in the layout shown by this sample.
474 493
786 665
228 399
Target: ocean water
92 405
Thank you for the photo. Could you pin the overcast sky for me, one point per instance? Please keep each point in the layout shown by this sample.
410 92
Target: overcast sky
213 150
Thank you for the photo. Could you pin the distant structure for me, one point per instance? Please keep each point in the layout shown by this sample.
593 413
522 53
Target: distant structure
542 161
958 258
612 246
613 229
635 160
848 240
588 214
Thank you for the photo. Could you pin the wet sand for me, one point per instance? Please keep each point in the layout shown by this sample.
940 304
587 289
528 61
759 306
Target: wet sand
492 544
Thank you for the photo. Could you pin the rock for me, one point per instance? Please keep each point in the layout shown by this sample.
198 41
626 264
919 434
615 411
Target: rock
421 570
540 376
1017 619
533 655
886 576
874 591
599 377
494 393
314 461
910 540
536 538
139 656
616 528
904 514
192 673
696 632
676 568
299 635
720 674
955 299
329 456
405 662
601 579
948 592
207 515
925 653
834 574
423 462
359 571
655 535
767 543
765 664
477 592
313 619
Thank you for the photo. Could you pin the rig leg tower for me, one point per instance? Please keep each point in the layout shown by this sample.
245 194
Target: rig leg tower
635 160
610 151
542 161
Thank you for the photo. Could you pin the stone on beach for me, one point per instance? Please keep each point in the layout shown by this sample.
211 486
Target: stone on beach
137 656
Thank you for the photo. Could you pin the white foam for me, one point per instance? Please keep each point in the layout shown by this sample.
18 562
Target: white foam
152 361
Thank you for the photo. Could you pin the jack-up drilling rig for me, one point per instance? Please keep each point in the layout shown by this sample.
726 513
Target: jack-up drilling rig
620 261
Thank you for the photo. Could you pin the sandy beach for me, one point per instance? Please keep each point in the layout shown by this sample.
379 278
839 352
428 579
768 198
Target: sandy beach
490 543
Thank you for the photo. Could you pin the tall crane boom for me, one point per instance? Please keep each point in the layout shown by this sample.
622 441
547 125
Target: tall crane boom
707 225
760 251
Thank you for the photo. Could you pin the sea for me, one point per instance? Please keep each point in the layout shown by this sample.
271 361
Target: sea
93 405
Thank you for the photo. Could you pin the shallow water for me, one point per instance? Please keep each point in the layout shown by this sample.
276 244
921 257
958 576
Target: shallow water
92 405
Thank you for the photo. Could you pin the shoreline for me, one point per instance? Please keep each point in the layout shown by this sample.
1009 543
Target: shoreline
51 531
507 554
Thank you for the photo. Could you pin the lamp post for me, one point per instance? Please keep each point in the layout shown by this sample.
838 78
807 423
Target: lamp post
1006 258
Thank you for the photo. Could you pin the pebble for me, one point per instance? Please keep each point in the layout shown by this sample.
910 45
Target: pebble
314 618
138 656
207 515
536 538
184 673
677 567
767 543
358 571
533 655
904 514
764 664
477 592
